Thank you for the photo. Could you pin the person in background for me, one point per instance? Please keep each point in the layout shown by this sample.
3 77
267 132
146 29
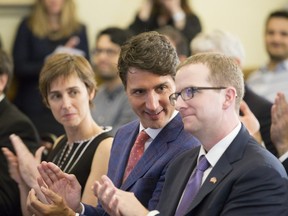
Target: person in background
12 120
230 45
67 85
147 66
279 128
112 107
230 173
51 27
154 14
178 40
273 76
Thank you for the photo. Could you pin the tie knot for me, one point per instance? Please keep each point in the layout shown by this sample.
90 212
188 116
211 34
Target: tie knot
203 164
142 137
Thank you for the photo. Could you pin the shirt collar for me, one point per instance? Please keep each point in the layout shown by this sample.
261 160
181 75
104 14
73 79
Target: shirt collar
2 96
217 150
154 132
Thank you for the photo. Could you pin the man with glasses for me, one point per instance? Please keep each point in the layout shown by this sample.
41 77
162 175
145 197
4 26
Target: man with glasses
111 106
230 173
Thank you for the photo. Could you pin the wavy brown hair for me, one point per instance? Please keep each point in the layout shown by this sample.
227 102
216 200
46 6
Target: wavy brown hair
149 51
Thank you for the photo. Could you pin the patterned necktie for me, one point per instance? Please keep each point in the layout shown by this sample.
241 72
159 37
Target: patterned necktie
136 152
192 186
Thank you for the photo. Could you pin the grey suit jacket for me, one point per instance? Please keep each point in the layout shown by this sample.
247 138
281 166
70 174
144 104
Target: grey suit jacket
250 181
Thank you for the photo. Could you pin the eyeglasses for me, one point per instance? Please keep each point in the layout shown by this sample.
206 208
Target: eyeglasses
188 93
109 52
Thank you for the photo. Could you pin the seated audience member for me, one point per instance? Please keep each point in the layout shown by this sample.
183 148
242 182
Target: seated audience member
177 39
111 103
230 45
279 128
67 84
273 76
12 120
154 14
230 173
148 83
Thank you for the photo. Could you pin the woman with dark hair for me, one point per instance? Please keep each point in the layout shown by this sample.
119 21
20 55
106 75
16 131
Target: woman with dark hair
157 13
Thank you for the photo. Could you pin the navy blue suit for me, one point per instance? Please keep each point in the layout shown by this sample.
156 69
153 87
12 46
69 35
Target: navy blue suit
250 181
147 178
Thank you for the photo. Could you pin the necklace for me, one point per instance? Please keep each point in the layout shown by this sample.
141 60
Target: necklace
84 140
70 150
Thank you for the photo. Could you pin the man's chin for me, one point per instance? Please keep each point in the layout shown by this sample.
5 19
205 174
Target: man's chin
277 58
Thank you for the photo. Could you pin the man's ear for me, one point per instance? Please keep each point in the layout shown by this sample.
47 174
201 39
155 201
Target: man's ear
230 97
3 82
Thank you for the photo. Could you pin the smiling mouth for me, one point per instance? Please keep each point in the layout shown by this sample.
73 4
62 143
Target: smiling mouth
153 114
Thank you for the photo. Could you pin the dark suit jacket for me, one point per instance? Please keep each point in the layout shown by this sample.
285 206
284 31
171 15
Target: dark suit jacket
12 121
147 178
261 108
285 164
250 181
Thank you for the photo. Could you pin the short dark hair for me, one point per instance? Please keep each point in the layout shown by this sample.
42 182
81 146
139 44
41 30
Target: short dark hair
117 35
6 67
277 14
149 51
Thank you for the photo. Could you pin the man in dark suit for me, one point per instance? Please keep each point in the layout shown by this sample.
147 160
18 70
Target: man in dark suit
242 177
11 121
147 67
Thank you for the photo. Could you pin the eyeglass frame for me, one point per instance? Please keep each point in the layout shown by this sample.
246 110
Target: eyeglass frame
173 97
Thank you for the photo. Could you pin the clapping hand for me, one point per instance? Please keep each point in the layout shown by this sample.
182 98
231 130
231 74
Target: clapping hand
279 126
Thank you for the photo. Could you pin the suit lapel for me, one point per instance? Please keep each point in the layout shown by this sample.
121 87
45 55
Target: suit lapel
124 151
157 148
219 172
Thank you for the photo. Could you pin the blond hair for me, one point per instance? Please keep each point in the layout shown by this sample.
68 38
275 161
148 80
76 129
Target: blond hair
39 24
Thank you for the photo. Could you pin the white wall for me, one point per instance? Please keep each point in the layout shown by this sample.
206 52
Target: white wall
244 18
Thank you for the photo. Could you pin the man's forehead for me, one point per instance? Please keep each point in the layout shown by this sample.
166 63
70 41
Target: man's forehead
193 69
191 75
277 22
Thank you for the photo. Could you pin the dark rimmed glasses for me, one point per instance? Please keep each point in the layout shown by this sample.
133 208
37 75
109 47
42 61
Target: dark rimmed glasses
188 93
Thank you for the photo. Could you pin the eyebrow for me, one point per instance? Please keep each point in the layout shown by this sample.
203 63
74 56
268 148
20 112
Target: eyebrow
70 88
